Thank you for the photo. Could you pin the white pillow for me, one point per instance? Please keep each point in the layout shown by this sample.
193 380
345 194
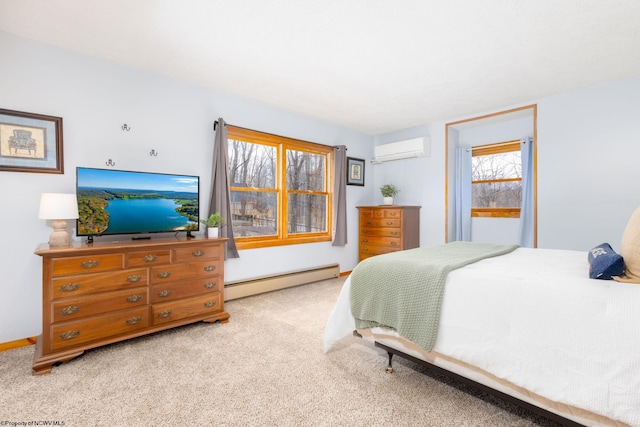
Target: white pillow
630 250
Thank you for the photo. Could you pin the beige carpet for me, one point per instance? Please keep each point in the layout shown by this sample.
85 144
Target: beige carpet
265 367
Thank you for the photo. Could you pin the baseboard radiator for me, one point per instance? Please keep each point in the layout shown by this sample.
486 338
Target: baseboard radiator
259 285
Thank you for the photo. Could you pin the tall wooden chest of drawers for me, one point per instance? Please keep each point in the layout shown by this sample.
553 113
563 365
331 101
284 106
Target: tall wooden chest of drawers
384 229
101 293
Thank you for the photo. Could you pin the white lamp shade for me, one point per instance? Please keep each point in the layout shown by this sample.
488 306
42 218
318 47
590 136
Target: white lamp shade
58 206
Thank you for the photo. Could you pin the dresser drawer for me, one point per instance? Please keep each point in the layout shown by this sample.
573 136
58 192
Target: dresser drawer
388 242
72 286
381 213
365 255
197 253
86 264
380 232
75 308
71 334
184 308
388 213
366 214
382 222
188 288
370 250
140 259
172 272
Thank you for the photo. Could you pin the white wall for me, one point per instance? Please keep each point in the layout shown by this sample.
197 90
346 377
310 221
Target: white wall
95 98
420 180
588 165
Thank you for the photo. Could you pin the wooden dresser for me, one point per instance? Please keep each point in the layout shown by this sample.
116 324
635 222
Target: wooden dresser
101 293
384 229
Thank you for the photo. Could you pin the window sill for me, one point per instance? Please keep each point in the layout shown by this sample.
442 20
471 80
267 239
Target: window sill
241 245
495 213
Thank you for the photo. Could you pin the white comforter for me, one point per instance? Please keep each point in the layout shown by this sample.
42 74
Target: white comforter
533 317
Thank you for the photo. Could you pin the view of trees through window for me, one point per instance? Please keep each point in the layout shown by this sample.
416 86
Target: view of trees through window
307 197
278 189
254 198
497 180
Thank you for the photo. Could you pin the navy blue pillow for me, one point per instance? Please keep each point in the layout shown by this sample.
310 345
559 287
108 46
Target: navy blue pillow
604 262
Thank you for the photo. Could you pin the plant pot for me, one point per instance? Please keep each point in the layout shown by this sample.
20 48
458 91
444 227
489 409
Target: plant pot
212 232
387 200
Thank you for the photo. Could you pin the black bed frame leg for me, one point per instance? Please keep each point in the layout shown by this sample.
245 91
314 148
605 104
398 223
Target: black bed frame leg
389 367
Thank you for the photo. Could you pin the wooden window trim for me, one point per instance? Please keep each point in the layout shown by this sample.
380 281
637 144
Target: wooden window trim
497 148
495 212
282 143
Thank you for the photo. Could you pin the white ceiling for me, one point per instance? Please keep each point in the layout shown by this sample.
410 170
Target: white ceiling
374 66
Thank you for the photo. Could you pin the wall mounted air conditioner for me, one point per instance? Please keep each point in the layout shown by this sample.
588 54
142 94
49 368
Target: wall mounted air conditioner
417 147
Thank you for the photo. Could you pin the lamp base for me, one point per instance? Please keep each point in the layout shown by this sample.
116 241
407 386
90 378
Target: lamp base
60 236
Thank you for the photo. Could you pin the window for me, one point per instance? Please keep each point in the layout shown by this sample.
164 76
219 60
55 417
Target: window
496 184
279 189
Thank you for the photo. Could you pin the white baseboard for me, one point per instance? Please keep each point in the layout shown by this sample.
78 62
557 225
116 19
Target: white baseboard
259 285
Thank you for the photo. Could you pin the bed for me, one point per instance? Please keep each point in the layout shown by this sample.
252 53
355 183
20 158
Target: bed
529 324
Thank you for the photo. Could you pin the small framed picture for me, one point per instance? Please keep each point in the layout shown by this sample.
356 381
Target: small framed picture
30 142
355 171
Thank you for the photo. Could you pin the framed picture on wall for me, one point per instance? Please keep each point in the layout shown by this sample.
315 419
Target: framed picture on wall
355 171
30 142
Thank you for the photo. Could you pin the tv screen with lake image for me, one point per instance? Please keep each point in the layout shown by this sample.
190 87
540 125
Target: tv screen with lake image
128 202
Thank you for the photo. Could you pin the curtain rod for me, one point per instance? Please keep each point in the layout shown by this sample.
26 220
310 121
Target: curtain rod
497 144
215 125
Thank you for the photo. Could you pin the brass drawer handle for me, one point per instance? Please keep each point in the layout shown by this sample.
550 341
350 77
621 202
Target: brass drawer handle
69 335
210 285
365 249
392 214
369 223
150 258
134 278
70 287
209 304
164 293
209 268
389 222
365 240
134 298
394 233
164 274
394 243
199 252
134 320
164 314
89 264
72 309
364 230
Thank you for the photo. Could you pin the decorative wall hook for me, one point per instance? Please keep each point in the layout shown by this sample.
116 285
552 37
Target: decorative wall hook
126 127
110 163
153 153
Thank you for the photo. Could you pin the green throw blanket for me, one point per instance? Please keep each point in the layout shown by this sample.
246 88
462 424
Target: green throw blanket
403 290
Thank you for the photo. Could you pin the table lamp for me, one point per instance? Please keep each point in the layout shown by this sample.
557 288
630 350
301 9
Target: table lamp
58 207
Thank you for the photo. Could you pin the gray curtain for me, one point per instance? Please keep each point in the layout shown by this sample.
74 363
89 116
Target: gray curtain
340 194
220 193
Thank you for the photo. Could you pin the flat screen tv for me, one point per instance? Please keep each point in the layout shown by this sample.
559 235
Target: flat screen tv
129 202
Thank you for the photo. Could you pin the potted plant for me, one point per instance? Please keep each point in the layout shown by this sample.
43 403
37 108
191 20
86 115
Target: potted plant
388 193
214 221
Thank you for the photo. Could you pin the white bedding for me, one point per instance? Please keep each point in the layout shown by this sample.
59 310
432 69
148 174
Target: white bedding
542 325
